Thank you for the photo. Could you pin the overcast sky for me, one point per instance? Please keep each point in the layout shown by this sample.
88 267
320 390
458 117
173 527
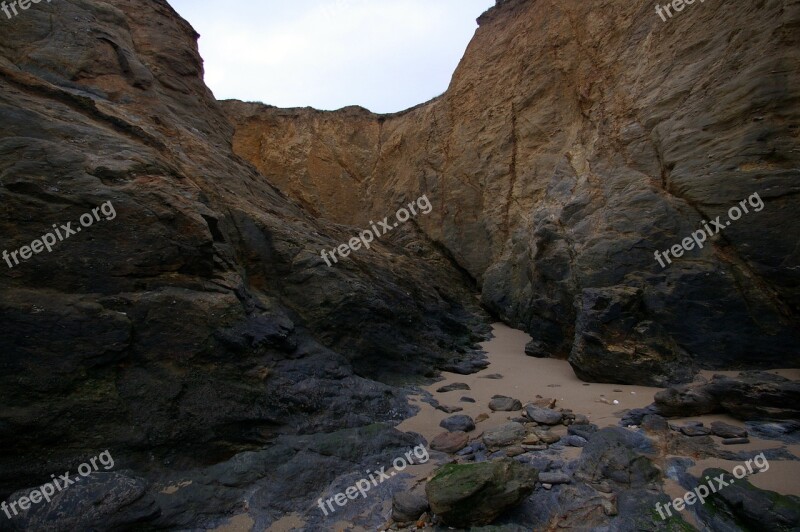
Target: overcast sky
385 55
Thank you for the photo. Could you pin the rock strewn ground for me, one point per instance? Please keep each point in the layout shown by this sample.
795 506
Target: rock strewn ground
616 483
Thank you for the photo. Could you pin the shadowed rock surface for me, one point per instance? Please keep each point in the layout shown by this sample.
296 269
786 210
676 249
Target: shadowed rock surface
750 396
200 323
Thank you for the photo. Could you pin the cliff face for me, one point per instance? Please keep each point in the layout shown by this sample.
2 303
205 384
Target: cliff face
198 333
200 321
575 140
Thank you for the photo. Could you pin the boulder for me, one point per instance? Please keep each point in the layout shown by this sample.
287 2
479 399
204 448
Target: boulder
581 419
683 401
545 416
616 454
634 416
502 403
450 442
584 431
466 495
616 342
408 506
458 423
753 395
504 435
531 439
536 349
575 441
514 450
655 424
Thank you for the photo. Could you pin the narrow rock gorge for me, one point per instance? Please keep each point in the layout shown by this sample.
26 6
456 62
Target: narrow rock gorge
574 141
199 336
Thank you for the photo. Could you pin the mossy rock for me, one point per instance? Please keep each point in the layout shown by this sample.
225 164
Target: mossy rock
466 495
749 507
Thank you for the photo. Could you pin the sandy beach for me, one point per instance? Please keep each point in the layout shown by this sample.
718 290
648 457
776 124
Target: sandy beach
526 378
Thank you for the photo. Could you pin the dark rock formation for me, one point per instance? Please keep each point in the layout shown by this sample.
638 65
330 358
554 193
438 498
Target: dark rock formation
458 423
739 503
616 342
750 396
110 501
618 455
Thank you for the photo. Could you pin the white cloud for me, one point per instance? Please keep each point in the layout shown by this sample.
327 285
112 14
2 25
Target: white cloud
386 55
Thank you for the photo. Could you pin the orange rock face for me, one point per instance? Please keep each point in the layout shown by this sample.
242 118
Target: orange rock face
573 143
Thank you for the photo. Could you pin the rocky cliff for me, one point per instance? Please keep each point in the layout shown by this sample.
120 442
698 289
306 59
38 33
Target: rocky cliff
575 141
199 321
199 335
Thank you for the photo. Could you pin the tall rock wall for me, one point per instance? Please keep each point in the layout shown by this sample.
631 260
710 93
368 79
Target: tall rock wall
199 321
577 139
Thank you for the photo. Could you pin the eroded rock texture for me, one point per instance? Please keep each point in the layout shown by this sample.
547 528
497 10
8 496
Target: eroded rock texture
200 337
200 322
576 139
